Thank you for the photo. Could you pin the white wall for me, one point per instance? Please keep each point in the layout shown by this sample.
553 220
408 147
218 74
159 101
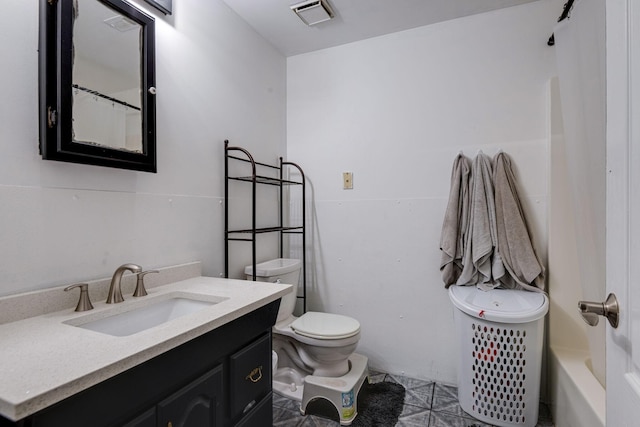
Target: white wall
61 222
395 110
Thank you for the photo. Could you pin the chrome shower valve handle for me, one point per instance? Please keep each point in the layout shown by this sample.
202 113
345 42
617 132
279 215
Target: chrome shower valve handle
609 309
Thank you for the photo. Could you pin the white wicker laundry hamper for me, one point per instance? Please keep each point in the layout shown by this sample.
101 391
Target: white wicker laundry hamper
501 334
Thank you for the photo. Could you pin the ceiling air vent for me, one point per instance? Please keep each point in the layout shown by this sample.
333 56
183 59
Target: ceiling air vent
121 23
313 11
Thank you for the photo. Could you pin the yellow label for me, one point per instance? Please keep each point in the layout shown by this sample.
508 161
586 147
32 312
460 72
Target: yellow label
348 413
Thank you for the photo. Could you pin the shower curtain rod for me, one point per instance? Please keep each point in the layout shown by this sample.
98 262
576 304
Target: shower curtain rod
565 14
101 95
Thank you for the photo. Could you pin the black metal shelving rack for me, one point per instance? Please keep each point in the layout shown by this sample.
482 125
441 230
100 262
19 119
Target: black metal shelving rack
250 234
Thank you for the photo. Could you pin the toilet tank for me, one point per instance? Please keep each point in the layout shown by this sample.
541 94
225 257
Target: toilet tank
287 271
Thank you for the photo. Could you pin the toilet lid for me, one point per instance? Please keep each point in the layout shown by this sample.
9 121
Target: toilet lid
325 326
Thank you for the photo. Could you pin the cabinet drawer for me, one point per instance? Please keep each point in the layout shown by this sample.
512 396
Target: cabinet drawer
260 416
250 375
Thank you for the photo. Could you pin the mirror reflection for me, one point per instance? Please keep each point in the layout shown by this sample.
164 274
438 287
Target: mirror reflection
106 78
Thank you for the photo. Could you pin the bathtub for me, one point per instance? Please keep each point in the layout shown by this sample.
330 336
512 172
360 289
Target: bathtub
577 397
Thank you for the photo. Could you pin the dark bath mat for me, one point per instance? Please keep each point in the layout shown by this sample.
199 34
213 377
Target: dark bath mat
379 405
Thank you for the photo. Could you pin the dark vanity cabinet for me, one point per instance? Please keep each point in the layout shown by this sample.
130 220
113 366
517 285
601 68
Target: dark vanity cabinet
146 419
222 378
196 404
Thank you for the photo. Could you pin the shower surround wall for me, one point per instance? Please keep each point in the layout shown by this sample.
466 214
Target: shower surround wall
577 223
395 110
62 223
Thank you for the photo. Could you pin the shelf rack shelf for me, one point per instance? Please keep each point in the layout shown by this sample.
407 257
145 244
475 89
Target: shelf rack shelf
249 234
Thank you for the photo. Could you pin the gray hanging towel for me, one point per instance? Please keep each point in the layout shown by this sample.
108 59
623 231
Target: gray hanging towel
522 265
481 235
455 222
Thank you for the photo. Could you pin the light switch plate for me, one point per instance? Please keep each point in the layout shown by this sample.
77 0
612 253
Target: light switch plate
347 180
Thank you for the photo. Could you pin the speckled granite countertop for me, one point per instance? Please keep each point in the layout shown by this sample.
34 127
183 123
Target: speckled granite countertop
44 360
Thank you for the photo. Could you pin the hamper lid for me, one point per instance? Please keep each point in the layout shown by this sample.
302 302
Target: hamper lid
500 305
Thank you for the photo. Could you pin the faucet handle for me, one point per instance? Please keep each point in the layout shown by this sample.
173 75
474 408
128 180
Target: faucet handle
84 303
140 290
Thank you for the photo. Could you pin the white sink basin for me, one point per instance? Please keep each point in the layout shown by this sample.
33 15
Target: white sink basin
144 317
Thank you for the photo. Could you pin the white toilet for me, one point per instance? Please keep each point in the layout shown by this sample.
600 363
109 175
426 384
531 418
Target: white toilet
313 348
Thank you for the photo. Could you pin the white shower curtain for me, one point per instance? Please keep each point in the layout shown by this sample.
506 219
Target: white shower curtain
99 120
580 55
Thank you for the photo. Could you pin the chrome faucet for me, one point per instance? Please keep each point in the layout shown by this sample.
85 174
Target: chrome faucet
115 293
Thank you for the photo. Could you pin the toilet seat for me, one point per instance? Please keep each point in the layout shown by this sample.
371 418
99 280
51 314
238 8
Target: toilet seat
325 326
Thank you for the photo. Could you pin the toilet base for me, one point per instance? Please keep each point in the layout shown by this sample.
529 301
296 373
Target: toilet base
289 383
342 391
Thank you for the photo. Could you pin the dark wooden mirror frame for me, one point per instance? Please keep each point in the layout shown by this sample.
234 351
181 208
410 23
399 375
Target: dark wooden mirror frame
56 102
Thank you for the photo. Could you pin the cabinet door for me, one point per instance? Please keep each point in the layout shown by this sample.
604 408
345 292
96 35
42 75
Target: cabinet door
146 419
198 404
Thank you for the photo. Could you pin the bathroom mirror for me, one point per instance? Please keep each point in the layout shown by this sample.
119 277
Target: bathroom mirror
97 84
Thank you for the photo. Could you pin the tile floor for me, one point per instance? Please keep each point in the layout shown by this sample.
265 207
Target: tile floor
426 404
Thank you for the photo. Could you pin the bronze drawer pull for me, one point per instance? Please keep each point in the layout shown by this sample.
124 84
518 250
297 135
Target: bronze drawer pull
255 375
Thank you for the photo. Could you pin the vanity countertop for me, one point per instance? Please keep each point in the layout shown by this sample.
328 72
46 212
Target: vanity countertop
44 360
